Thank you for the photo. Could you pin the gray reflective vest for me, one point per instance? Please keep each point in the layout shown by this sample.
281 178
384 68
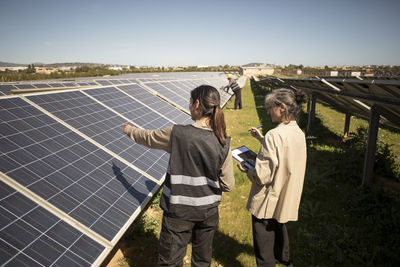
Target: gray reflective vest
191 190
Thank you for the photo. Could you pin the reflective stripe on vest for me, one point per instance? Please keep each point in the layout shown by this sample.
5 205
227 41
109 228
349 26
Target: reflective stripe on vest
190 201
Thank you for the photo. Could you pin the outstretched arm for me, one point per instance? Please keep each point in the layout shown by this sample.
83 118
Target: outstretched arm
157 139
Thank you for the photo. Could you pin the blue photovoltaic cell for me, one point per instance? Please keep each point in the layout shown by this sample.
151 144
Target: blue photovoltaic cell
69 84
177 89
83 84
157 103
130 108
170 95
56 84
103 126
32 236
41 85
68 171
6 88
188 85
114 81
124 81
24 86
103 82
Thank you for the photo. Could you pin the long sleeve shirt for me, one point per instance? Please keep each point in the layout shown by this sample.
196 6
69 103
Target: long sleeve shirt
233 85
278 176
160 139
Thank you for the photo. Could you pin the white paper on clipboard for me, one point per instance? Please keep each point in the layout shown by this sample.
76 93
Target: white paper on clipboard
245 154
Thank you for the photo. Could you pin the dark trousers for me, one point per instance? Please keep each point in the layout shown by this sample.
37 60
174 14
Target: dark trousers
238 99
176 234
271 242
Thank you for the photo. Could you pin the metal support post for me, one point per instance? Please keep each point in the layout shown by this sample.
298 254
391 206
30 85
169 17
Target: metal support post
369 158
311 112
347 125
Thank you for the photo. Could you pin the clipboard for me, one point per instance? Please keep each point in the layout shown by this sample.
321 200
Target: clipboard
246 155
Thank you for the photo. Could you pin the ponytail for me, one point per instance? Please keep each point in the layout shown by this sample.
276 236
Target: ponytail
218 124
209 103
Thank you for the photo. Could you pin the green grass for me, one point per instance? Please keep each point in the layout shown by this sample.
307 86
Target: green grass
340 223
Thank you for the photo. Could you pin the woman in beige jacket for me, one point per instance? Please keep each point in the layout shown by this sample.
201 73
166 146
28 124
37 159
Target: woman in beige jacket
277 178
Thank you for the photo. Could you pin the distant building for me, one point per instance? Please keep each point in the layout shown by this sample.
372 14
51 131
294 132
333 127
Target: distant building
45 70
334 73
12 68
115 68
65 68
259 70
356 73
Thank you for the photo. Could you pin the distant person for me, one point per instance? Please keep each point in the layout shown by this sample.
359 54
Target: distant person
234 86
200 168
277 178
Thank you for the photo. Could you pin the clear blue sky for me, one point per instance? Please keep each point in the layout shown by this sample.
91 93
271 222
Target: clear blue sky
201 32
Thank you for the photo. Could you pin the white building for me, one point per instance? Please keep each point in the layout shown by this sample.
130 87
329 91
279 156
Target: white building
115 68
260 70
12 68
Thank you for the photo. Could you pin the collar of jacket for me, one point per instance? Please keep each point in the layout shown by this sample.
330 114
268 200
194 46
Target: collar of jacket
201 125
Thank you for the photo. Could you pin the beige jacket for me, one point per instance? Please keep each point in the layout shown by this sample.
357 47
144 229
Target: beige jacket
279 174
159 139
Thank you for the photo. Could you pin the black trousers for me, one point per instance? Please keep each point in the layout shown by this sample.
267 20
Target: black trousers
175 236
271 242
238 99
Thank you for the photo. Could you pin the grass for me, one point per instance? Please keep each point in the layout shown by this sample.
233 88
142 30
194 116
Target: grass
340 223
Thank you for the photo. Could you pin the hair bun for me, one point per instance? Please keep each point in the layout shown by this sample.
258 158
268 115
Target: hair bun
300 96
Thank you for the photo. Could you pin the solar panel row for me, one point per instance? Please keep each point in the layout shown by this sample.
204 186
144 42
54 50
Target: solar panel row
65 158
32 236
350 95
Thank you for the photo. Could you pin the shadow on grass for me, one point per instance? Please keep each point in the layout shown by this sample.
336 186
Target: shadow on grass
227 249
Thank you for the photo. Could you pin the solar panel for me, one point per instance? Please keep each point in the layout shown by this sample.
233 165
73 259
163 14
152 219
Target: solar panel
130 108
184 92
69 172
171 96
350 95
56 84
190 84
32 236
157 103
24 86
6 88
103 82
104 126
41 85
69 84
114 81
77 181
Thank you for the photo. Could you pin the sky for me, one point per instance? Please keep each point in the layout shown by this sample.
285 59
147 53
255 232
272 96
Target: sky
201 32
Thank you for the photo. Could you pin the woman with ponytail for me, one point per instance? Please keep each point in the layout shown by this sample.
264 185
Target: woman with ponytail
277 178
200 168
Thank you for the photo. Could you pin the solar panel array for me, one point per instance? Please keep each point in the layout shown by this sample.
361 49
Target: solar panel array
352 95
70 182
